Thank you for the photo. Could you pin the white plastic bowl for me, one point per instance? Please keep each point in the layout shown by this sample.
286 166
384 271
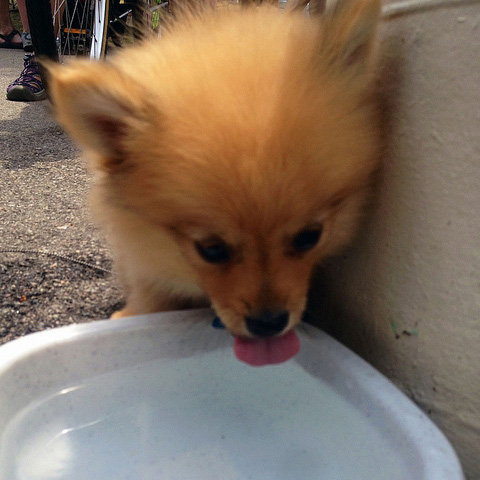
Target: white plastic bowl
162 397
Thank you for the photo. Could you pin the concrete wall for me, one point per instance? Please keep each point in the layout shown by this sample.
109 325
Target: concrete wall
409 290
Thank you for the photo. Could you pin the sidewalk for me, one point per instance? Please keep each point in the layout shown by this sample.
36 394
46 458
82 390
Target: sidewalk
43 206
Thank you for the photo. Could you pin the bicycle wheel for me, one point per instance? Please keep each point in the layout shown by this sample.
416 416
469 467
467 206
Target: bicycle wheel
100 27
133 20
68 27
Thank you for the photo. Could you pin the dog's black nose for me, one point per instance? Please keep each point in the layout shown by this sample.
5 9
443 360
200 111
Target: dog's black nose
267 323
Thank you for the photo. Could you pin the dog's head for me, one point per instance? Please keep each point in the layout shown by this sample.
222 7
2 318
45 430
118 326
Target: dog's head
253 154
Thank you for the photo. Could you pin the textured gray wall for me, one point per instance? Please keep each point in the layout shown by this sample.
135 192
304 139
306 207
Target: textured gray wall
410 287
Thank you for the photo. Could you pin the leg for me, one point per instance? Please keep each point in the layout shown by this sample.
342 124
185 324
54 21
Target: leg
150 298
9 37
144 300
28 87
22 8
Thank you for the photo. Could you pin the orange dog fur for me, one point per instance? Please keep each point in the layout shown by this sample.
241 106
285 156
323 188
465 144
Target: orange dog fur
232 154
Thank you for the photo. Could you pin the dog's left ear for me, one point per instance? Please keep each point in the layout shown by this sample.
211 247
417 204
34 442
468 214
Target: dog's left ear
98 107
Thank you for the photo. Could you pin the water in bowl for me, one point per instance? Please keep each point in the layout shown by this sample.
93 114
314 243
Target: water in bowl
205 417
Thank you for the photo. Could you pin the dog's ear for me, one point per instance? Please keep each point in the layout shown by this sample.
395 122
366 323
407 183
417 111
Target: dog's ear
349 34
99 108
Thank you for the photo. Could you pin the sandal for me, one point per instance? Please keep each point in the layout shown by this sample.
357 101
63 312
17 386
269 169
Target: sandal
8 40
28 87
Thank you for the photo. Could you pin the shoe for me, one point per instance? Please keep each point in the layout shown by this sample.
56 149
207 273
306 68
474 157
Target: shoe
8 40
28 87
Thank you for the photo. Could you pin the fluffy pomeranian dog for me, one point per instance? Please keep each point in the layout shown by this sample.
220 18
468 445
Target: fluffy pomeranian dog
232 155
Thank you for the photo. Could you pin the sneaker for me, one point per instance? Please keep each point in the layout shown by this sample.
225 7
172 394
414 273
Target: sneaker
28 87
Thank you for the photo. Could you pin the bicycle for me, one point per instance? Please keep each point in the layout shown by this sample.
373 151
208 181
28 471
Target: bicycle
64 28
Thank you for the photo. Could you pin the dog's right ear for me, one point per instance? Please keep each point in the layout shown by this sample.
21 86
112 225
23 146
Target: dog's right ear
98 107
350 32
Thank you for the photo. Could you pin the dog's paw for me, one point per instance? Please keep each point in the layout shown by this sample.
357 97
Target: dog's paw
121 314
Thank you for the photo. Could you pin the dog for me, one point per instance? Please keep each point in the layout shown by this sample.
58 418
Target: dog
231 156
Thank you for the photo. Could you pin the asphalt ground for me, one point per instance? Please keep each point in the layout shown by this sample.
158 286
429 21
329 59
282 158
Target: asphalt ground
44 208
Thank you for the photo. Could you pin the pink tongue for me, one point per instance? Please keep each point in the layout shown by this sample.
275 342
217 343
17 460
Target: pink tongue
267 351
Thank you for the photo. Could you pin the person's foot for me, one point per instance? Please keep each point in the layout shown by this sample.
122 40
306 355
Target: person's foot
28 87
11 40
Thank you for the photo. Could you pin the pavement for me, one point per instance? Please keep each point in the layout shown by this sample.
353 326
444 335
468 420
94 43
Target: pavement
44 208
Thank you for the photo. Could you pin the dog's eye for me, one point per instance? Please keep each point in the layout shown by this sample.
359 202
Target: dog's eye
218 252
306 239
